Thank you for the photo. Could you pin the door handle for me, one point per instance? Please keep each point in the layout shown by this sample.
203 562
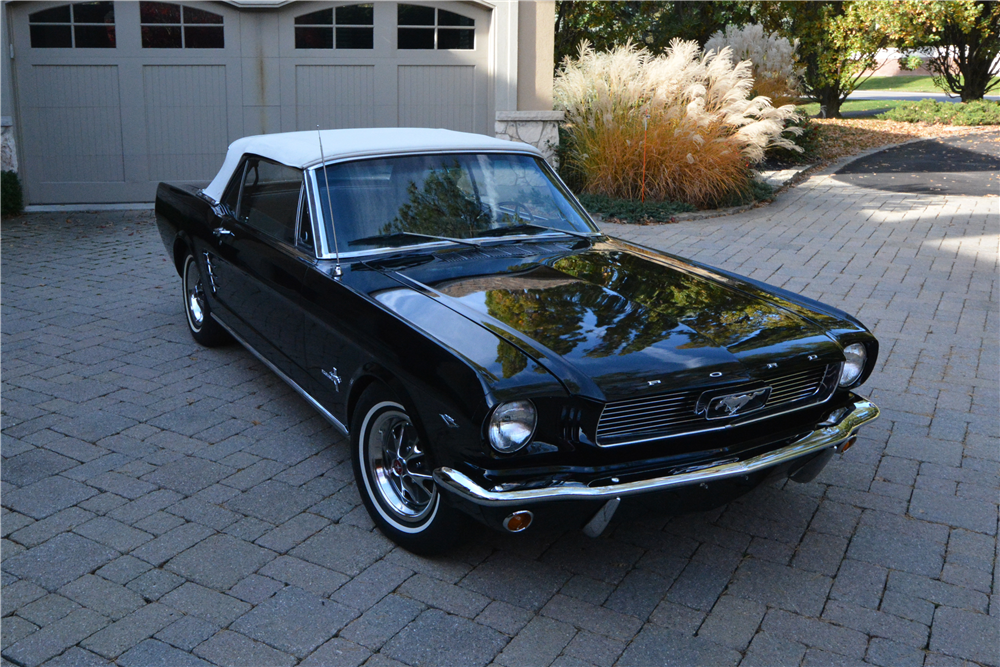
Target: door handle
222 231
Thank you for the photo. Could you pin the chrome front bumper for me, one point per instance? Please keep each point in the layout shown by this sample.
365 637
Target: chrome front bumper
853 418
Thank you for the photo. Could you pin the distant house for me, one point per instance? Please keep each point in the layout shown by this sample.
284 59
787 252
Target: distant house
102 100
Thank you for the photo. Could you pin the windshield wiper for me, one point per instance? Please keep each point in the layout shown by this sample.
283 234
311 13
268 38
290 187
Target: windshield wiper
400 235
501 231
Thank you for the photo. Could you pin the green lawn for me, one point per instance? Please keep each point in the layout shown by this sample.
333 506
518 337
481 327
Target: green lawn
877 106
906 84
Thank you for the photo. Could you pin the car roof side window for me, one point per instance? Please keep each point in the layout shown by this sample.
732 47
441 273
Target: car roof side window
270 198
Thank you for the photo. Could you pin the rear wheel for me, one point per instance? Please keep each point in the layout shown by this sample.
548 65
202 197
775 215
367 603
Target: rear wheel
203 328
393 474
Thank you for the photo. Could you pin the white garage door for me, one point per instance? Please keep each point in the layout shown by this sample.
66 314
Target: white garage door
386 64
114 97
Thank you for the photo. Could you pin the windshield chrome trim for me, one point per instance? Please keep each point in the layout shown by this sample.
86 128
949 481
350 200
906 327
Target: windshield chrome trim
323 247
355 254
319 229
444 151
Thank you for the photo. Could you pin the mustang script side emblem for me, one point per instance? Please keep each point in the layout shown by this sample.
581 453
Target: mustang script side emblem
732 405
332 377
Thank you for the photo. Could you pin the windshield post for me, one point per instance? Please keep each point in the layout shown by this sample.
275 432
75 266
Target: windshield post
337 271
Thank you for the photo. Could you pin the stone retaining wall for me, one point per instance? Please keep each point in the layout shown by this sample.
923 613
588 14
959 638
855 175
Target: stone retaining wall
538 128
8 154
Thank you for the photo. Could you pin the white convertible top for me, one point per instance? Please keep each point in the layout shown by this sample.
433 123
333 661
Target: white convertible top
301 149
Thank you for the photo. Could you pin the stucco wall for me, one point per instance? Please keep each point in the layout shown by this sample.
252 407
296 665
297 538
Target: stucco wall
535 54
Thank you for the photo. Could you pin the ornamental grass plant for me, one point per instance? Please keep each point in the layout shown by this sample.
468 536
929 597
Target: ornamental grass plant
676 127
776 73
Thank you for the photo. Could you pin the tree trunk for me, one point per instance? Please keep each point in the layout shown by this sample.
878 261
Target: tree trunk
829 99
975 77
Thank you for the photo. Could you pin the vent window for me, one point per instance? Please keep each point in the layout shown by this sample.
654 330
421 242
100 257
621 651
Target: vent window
84 25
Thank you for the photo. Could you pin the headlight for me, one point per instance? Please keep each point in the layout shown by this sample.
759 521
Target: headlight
854 364
512 425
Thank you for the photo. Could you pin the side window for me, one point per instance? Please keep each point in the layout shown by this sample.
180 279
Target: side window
270 198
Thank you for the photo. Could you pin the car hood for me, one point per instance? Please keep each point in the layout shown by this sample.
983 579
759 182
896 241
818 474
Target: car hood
612 320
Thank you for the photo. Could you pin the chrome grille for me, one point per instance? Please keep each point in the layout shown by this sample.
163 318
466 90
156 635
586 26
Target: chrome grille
673 413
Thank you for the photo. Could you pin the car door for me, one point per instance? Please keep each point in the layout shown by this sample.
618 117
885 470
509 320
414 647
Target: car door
259 264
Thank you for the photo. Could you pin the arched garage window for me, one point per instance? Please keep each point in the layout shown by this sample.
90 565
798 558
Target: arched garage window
346 27
84 25
168 26
429 28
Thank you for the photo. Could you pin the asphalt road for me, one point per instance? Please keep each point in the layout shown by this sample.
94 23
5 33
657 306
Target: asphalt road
962 165
906 95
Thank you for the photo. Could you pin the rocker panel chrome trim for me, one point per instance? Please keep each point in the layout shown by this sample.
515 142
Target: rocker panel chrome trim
291 383
864 411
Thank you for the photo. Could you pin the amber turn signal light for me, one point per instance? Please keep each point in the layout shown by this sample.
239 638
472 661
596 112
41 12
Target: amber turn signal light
518 521
844 446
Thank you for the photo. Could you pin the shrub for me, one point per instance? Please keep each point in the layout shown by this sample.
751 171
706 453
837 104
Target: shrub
980 112
776 72
806 143
627 210
910 63
703 130
11 198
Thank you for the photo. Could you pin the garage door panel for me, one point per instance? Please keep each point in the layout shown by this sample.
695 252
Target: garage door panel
186 120
74 124
437 96
334 96
106 125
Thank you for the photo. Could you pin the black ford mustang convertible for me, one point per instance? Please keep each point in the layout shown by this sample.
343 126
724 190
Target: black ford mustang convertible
444 300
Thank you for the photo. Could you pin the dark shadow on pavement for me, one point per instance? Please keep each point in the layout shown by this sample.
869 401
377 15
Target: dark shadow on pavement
963 165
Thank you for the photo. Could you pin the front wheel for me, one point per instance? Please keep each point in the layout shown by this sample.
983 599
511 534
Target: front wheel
203 328
393 474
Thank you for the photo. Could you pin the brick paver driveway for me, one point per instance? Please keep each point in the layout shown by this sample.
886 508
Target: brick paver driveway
169 505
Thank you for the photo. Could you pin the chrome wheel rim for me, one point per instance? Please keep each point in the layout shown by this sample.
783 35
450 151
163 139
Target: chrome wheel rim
398 467
194 295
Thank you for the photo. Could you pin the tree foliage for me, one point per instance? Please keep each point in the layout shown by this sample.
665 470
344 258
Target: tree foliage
965 36
650 24
838 44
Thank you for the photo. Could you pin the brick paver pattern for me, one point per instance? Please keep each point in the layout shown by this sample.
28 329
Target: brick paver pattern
165 504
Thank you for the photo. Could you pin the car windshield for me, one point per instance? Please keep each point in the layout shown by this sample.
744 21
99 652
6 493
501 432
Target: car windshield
416 199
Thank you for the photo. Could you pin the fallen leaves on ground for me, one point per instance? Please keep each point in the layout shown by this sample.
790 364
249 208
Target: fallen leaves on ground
841 137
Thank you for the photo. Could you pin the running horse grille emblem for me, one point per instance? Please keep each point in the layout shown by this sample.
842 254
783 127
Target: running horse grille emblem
732 405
